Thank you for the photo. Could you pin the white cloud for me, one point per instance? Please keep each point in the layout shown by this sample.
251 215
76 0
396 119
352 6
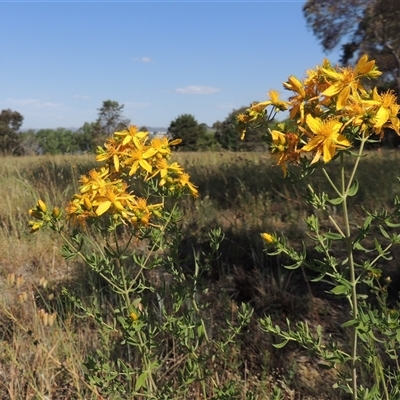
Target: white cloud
197 90
78 96
31 103
143 59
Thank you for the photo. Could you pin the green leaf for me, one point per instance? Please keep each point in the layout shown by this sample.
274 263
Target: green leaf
325 366
353 189
358 246
141 381
340 289
333 236
398 335
67 252
280 345
352 322
391 224
318 278
384 233
336 201
110 252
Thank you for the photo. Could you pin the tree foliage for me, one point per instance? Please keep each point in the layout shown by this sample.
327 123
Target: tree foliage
10 123
88 137
57 141
229 138
61 140
360 26
187 128
110 118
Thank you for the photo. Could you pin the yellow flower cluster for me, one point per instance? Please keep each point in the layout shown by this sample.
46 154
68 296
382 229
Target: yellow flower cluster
42 216
330 108
128 154
130 157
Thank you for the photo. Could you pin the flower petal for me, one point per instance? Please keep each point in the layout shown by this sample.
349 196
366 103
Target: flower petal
103 207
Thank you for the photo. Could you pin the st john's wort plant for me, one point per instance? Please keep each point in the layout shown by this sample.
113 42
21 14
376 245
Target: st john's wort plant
124 224
332 116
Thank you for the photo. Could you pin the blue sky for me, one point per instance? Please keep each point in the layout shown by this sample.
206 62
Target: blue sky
61 60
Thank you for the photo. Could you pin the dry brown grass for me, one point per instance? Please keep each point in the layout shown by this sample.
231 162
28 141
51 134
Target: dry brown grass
239 192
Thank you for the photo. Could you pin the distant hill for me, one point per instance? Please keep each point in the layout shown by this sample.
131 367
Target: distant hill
156 129
74 129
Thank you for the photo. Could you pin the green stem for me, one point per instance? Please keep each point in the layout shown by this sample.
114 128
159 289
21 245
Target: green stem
353 301
349 245
334 223
150 384
329 179
83 257
151 251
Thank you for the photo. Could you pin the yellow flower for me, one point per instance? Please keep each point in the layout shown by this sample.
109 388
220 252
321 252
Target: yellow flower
184 181
137 158
284 148
160 147
367 68
326 140
164 169
74 207
342 84
131 135
242 118
345 82
95 181
275 101
143 211
116 197
388 110
296 101
268 238
113 150
257 108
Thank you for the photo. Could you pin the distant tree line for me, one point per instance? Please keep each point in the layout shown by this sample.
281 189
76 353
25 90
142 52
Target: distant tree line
195 136
60 140
358 26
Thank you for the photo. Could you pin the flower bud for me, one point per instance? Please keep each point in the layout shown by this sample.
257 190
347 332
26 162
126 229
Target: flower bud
134 316
56 212
35 226
42 205
268 238
87 203
34 213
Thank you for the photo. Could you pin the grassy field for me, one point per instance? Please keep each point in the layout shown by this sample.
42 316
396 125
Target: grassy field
43 345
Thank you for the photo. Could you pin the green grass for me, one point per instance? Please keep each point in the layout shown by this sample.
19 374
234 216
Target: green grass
240 192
